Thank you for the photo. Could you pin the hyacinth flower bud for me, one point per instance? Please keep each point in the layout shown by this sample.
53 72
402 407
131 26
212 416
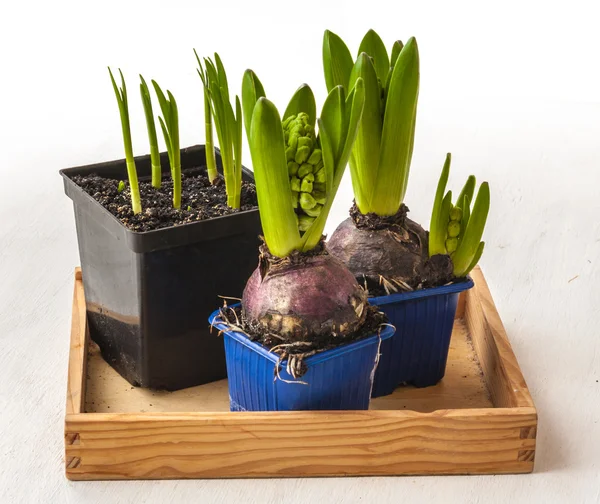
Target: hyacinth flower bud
453 229
305 168
456 214
451 245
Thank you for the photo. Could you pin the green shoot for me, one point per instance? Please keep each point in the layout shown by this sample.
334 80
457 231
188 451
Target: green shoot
381 157
227 124
211 162
169 123
456 230
121 186
252 90
297 173
337 61
437 233
121 95
154 152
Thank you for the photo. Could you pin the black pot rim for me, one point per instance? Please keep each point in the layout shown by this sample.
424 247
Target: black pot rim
68 172
166 237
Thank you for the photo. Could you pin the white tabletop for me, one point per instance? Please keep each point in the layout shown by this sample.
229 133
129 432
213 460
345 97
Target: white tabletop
513 91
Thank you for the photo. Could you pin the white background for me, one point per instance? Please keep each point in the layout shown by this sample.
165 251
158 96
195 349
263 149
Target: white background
511 88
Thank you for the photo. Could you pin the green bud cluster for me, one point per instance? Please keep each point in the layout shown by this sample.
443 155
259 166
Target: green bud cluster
453 229
305 168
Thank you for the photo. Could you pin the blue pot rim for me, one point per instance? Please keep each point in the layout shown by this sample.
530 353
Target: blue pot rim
453 288
386 332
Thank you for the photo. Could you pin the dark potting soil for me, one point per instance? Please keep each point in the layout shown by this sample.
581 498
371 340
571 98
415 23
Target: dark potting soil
296 352
373 221
377 290
200 199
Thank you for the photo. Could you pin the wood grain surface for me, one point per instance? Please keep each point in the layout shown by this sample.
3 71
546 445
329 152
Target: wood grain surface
456 427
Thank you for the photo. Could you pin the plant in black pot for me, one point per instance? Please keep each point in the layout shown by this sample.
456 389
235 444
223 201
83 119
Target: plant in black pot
304 319
160 238
380 245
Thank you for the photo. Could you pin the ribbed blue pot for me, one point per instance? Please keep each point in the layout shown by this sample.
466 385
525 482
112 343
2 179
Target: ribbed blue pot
418 352
337 379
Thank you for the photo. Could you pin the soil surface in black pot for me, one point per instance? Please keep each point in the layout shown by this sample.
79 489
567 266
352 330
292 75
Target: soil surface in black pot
388 254
200 199
296 352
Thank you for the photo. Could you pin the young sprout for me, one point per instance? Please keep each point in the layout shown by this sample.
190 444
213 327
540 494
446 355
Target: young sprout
121 186
227 124
297 173
381 156
457 229
169 123
121 95
211 163
154 153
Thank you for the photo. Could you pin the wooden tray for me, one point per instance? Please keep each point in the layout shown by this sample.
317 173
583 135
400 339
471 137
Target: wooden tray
479 420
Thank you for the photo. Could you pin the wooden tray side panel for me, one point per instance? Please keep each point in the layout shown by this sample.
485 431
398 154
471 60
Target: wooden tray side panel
78 351
311 443
205 445
76 377
498 362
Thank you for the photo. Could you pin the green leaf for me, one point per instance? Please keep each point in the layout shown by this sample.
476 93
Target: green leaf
211 72
199 62
356 103
116 89
466 209
124 92
332 120
226 123
237 149
121 96
437 230
222 77
398 132
201 71
364 162
328 154
222 121
302 101
169 123
476 258
337 61
444 217
174 127
272 180
396 48
375 48
165 132
469 244
162 101
468 190
176 150
252 90
151 128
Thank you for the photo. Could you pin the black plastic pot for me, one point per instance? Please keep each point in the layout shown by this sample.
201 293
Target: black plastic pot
149 295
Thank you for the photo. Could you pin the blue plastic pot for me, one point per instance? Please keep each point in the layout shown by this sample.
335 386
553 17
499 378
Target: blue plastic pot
418 352
337 379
